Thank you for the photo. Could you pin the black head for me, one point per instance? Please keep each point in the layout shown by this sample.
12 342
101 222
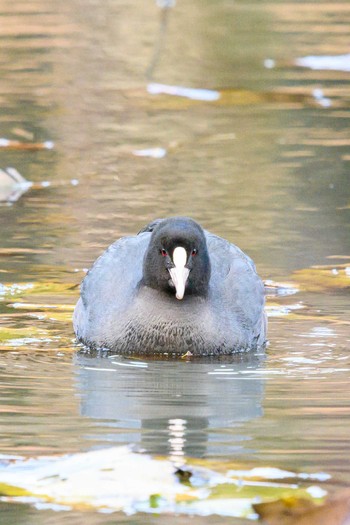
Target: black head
177 259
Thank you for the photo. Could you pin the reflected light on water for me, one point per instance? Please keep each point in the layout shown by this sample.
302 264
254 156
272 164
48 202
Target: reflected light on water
177 440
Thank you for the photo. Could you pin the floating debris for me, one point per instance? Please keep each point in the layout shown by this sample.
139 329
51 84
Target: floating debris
273 473
321 99
273 288
23 133
155 153
166 4
12 185
16 144
330 62
118 479
37 288
40 306
25 341
281 310
207 95
15 289
186 355
269 63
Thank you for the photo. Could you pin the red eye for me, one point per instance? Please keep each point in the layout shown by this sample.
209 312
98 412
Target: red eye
194 252
164 252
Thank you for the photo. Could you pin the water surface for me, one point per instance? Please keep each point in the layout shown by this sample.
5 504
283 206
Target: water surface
265 165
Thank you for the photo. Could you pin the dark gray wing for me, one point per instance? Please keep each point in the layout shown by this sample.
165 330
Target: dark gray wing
110 286
236 289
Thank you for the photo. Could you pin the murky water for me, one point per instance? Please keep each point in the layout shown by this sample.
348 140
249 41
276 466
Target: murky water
266 165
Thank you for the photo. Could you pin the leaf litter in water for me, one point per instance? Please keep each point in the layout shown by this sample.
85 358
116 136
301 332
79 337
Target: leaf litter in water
325 62
12 185
28 146
300 511
314 279
280 290
172 97
118 479
323 278
274 288
33 311
45 290
42 288
26 337
15 289
282 310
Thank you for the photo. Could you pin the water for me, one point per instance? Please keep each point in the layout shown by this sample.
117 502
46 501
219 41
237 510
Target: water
264 165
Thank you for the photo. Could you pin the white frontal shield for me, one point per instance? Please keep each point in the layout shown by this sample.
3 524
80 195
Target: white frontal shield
179 274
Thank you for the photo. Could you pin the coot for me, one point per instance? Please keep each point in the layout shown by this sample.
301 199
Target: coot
173 288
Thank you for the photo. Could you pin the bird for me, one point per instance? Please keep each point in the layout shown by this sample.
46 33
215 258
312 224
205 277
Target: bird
173 289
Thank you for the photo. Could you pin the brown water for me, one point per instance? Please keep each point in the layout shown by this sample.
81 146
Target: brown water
266 166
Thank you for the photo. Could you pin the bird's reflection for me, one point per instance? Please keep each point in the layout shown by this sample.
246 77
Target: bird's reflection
173 408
